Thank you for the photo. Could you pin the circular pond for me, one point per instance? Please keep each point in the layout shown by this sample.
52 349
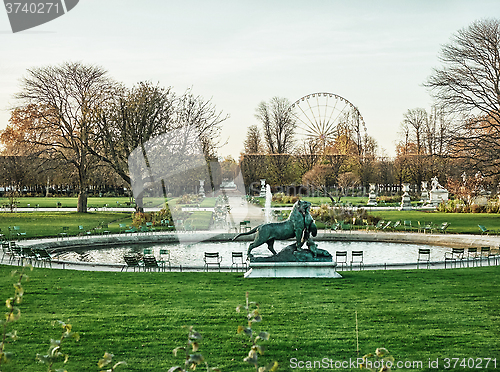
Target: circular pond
185 254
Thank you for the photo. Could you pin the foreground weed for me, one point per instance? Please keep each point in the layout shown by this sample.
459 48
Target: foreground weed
193 360
107 359
54 353
253 316
381 361
13 313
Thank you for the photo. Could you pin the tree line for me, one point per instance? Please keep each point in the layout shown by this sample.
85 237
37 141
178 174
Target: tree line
75 117
458 138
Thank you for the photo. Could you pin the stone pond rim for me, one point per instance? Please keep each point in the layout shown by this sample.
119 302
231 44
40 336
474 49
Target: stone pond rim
446 240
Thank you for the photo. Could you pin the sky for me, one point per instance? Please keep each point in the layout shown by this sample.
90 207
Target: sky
375 53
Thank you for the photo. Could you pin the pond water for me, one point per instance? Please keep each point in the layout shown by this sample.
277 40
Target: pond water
192 254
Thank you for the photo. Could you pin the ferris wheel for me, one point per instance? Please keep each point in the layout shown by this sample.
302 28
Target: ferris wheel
323 117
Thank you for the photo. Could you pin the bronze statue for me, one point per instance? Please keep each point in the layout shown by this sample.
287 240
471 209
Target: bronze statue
299 226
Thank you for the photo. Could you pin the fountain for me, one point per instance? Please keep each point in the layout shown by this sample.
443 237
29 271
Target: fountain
295 260
267 206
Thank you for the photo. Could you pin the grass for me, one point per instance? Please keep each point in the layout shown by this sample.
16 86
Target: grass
199 220
138 317
317 201
464 223
69 202
50 224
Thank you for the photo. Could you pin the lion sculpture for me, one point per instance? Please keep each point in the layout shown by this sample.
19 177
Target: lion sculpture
299 225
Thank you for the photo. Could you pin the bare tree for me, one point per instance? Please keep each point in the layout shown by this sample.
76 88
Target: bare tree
320 177
416 120
131 119
69 94
278 124
141 117
203 115
253 142
469 84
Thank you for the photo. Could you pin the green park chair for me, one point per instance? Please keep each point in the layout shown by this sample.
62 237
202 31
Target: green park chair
387 226
357 258
64 232
430 227
341 259
131 230
456 255
131 260
238 261
19 233
407 225
424 255
29 256
212 259
486 253
472 255
43 256
380 225
164 259
83 231
483 229
150 263
443 227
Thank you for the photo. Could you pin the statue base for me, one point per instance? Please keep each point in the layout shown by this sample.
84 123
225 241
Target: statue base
292 270
290 254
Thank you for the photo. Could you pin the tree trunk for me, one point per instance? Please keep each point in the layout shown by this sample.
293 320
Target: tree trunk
82 202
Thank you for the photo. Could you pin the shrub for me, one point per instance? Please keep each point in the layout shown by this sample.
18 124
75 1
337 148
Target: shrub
281 198
329 215
140 218
189 199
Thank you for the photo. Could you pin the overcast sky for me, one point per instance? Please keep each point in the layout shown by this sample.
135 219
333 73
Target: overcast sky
376 54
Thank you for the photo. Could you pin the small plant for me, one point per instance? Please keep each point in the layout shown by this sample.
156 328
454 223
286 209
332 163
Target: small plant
54 353
381 361
13 313
107 359
253 316
192 357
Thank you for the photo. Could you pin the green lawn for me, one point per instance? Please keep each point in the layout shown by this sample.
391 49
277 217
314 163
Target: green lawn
465 223
50 224
68 202
199 221
417 315
317 201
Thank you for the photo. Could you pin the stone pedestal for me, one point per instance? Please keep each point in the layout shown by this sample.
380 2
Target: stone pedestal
372 196
424 196
202 189
405 199
292 270
262 188
438 196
